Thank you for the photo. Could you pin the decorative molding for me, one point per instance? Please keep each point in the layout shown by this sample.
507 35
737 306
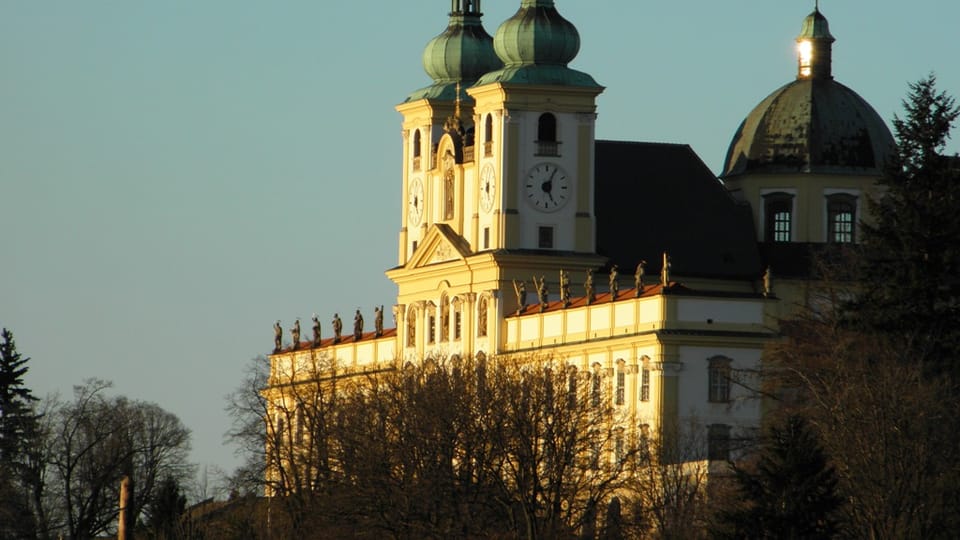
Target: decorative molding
668 368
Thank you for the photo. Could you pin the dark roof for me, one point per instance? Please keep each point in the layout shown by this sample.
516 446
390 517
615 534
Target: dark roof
810 125
808 260
656 197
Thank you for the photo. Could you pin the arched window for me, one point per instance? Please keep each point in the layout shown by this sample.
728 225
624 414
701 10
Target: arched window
572 386
718 442
412 328
644 383
718 375
444 318
595 387
620 391
841 218
488 136
417 149
547 144
482 317
778 217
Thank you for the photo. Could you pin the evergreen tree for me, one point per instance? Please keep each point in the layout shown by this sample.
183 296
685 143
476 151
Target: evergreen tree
17 420
910 271
791 491
17 426
166 509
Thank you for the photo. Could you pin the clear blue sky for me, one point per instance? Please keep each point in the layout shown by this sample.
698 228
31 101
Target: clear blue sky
176 175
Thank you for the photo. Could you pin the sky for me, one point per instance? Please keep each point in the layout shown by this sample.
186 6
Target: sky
175 176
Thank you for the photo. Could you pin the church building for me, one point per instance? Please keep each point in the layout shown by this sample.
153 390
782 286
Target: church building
523 235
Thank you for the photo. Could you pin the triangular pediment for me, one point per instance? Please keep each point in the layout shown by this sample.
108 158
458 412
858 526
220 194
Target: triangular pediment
440 245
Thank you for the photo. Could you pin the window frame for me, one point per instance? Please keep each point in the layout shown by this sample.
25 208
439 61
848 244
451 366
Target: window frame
840 204
547 133
718 379
775 204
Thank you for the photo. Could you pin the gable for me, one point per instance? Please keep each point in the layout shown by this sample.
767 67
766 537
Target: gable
440 245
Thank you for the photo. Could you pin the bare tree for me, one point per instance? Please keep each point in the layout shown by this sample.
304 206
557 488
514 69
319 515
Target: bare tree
889 428
452 448
90 444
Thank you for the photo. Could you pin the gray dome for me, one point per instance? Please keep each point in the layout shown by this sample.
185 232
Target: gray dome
811 125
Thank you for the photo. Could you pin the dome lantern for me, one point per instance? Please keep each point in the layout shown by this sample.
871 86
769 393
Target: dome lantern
815 48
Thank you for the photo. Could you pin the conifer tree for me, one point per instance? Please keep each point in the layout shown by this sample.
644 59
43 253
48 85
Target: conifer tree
791 491
910 270
17 419
17 426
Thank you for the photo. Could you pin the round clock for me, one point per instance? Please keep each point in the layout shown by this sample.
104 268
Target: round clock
547 187
415 202
488 187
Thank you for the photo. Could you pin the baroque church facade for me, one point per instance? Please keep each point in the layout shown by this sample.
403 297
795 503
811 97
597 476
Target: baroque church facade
523 235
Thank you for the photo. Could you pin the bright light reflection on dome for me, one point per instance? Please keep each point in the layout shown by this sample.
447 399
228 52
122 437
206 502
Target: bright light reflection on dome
805 48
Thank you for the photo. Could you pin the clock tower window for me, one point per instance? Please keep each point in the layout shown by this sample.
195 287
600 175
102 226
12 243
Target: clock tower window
547 144
545 237
417 150
488 136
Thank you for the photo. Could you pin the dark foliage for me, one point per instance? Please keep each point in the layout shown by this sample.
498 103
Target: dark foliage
789 492
910 270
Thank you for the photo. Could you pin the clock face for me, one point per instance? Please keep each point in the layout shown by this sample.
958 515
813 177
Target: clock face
415 202
488 187
547 187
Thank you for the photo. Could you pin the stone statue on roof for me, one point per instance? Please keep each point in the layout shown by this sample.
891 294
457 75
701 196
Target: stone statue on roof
588 286
614 286
357 326
295 334
768 282
378 321
277 337
638 277
564 288
337 327
521 291
665 271
542 292
316 330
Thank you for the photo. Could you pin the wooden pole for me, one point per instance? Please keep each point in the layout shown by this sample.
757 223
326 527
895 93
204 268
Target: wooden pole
124 509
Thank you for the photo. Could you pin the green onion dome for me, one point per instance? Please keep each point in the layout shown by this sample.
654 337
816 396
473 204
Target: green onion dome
535 45
461 54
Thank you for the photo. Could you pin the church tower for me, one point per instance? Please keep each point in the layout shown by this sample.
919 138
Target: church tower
454 60
498 178
537 119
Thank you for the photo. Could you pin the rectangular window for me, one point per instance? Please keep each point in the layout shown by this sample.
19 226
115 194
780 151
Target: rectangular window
643 447
781 226
432 330
414 246
841 218
718 377
621 387
486 238
300 426
456 324
645 385
595 389
572 389
620 450
778 210
545 237
718 442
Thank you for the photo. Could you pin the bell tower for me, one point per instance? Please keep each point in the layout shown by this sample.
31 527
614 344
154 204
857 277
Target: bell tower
536 119
437 120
